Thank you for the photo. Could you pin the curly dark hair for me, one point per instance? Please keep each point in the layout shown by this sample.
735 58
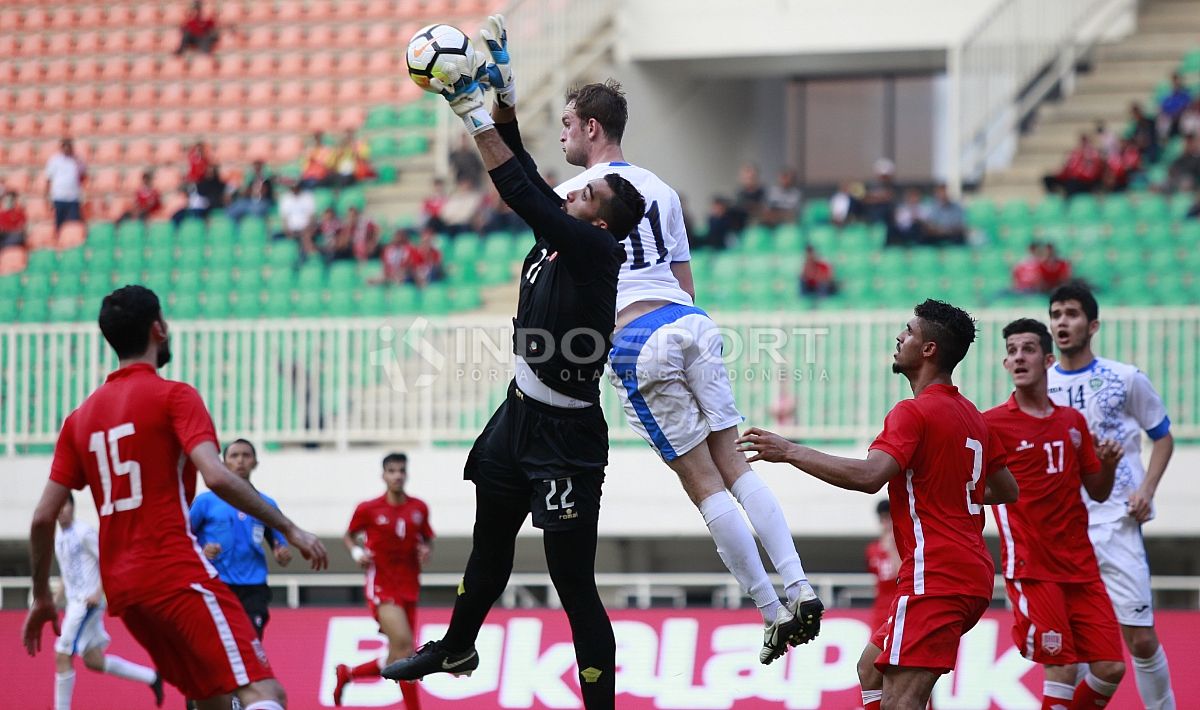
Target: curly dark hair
1036 327
125 319
605 103
623 212
952 328
1077 291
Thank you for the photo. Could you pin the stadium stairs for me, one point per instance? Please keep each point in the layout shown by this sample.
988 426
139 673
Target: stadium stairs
1132 69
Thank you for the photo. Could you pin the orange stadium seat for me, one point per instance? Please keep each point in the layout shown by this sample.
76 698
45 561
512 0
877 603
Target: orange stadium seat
142 122
289 148
260 93
321 92
55 98
202 121
320 36
382 89
71 235
321 118
172 13
143 69
230 120
349 35
10 17
168 150
85 97
143 40
379 8
289 11
104 179
260 11
173 69
131 180
8 48
27 99
143 94
139 150
292 119
86 42
351 64
260 148
321 10
18 181
228 150
261 65
290 37
167 179
261 37
20 153
202 94
350 91
230 94
33 19
321 63
146 14
24 126
291 64
81 123
107 151
60 44
90 16
32 45
172 95
113 96
36 210
115 41
232 66
29 72
122 16
114 69
233 13
202 66
291 92
13 260
63 18
57 70
173 202
110 123
54 124
351 117
260 120
40 236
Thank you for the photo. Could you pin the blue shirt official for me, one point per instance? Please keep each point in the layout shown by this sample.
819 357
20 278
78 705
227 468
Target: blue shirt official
242 559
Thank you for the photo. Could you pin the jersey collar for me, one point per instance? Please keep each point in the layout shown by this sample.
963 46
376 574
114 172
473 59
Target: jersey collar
130 370
1059 369
619 164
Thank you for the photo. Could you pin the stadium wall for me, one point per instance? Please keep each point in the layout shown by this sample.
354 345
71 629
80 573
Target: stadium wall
319 488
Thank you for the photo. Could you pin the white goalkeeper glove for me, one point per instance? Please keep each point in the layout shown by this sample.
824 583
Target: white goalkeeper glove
464 93
499 71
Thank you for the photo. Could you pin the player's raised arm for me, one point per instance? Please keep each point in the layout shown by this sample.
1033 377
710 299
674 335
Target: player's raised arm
867 475
241 495
41 549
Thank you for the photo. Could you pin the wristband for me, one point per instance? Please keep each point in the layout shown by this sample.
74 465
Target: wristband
477 121
358 554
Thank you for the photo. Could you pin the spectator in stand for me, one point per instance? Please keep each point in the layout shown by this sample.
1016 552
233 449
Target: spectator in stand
431 206
146 200
1171 108
494 214
203 196
297 211
461 208
64 184
399 256
316 171
1184 173
816 276
329 227
250 202
198 31
12 222
1194 211
350 160
429 267
1080 173
1107 141
1121 165
361 234
1027 273
880 200
846 205
720 224
1056 271
1143 132
466 164
944 222
905 229
1189 122
783 200
748 201
198 159
258 177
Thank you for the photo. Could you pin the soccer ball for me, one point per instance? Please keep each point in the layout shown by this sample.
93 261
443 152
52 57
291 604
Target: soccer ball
440 51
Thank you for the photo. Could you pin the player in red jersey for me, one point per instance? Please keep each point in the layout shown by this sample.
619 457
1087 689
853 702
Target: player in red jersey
137 443
390 538
941 467
1061 609
884 562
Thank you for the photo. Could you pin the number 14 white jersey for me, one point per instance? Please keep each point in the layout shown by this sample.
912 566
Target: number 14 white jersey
659 241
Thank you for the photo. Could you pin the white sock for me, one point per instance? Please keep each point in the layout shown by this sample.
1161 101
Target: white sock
1058 691
736 547
121 668
762 507
64 686
871 696
1103 687
264 705
1154 681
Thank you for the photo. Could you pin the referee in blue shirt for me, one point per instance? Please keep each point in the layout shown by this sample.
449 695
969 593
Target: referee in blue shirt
234 540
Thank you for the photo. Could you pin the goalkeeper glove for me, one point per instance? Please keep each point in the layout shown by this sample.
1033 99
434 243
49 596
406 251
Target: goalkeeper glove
464 93
499 70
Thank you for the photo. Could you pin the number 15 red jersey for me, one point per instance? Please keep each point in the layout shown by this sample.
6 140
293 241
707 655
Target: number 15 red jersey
128 442
945 452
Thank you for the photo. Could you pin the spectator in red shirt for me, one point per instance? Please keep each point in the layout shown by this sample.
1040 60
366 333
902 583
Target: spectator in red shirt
1027 274
816 278
316 172
198 31
399 259
146 200
1056 271
431 207
198 160
1120 165
1081 172
12 222
429 268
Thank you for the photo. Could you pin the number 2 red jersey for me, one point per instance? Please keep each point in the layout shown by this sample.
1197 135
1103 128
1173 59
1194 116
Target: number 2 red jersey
1044 535
128 442
392 535
945 453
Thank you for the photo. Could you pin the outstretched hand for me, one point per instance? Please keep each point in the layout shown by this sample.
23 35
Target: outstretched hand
310 547
42 611
498 73
765 445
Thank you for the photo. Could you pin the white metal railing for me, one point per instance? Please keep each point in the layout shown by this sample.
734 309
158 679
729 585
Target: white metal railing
1008 64
640 591
820 375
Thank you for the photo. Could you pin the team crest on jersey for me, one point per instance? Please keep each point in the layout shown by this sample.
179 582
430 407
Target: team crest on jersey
241 515
1076 437
1025 446
381 520
416 518
1052 642
1095 383
259 652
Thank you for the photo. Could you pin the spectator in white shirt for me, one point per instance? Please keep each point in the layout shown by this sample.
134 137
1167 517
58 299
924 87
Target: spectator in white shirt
298 210
64 184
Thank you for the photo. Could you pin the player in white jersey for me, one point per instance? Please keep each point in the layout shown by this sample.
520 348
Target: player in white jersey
77 548
1119 403
667 367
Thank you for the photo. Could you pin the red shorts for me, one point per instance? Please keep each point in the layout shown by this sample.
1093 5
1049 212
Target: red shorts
200 639
1061 623
923 631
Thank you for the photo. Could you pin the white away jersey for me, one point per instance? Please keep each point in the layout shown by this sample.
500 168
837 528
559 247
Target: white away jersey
78 551
1118 402
659 241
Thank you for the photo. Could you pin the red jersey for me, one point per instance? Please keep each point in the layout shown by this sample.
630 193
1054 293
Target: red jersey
393 533
1044 534
880 564
12 220
147 200
945 453
129 442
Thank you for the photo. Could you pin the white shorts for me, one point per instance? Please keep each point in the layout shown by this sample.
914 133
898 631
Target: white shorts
668 370
1125 569
82 629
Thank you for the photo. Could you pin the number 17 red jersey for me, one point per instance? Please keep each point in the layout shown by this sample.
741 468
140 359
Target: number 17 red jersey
945 452
128 442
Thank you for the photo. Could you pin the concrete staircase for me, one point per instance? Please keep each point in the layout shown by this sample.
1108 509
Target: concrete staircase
1121 72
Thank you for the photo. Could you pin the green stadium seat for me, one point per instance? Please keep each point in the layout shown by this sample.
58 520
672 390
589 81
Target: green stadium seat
373 301
411 146
322 199
252 230
383 146
8 310
186 305
190 229
387 174
101 236
283 254
130 229
312 302
1190 64
415 115
161 260
465 298
64 309
756 238
34 310
311 276
351 197
96 285
37 285
343 275
404 299
382 117
281 279
192 258
278 304
816 212
789 239
245 303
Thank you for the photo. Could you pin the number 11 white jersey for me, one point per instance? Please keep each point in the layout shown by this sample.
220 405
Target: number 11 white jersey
659 241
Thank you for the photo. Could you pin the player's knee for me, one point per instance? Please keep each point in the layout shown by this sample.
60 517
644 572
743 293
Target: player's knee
868 674
1109 671
257 691
1143 643
94 659
900 702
